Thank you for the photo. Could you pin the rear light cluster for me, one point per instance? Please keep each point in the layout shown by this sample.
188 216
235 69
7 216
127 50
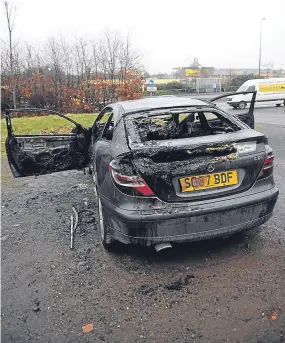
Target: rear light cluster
267 168
129 184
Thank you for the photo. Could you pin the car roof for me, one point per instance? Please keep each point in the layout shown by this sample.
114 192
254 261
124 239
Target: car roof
161 102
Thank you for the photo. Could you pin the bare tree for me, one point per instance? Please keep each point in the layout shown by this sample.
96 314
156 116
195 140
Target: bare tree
5 59
54 58
128 58
10 17
67 58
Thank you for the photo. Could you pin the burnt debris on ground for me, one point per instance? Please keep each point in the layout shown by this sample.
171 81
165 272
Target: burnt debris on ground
176 285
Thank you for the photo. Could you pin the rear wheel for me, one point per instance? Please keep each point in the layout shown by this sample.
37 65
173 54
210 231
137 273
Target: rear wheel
242 105
278 105
105 236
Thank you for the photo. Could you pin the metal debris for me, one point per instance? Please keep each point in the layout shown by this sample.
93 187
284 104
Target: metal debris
71 232
73 227
76 218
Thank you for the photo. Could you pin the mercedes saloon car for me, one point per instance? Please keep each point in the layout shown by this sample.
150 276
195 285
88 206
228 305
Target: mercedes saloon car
165 169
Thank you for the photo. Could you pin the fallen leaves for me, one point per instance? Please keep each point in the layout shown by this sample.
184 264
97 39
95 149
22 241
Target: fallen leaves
87 328
273 316
270 315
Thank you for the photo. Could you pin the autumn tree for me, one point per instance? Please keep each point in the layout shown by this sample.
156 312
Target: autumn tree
78 76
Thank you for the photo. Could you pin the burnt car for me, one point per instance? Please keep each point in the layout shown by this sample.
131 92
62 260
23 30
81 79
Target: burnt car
171 169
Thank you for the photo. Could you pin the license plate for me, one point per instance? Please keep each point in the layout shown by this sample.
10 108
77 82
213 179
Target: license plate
213 180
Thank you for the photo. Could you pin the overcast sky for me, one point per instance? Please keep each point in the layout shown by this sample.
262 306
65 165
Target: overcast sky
221 33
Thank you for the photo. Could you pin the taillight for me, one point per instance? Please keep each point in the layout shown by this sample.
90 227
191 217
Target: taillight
267 168
130 184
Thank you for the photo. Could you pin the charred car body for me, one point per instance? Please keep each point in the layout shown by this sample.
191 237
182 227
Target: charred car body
165 169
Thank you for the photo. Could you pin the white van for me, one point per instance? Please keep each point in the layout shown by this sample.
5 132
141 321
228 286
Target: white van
267 90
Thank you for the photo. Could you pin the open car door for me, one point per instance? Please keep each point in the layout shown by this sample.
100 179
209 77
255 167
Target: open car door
37 154
246 117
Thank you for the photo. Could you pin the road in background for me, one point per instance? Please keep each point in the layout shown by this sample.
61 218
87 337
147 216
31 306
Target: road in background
263 113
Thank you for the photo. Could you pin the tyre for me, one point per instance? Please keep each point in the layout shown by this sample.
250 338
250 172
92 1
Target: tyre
105 236
242 105
278 105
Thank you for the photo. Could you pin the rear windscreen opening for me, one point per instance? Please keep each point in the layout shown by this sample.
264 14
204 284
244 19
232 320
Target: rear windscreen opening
182 124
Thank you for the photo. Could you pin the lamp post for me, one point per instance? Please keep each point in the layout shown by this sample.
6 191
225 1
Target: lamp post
260 40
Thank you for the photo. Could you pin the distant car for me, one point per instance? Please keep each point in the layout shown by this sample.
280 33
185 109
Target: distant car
165 169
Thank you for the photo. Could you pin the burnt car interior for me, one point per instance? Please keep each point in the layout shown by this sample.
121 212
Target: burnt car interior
46 153
104 125
175 124
246 117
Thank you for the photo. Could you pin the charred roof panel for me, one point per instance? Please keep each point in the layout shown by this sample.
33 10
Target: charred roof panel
161 102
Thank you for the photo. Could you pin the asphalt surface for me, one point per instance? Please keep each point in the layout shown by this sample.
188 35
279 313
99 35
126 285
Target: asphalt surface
225 290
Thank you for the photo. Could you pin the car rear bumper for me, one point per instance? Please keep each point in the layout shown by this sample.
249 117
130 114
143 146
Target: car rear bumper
182 225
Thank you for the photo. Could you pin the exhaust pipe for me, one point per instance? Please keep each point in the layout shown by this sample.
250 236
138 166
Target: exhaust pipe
162 246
